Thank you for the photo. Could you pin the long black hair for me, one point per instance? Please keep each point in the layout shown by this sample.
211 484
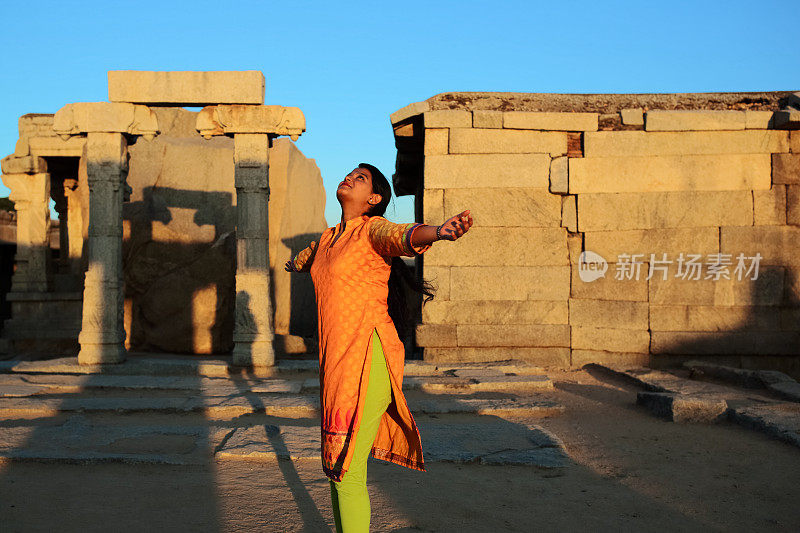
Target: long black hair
396 300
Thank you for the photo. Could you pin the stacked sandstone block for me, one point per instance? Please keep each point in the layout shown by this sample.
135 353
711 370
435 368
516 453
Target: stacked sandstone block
544 186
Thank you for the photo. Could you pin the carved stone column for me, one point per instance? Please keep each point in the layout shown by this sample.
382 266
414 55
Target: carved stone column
102 334
253 333
252 128
29 182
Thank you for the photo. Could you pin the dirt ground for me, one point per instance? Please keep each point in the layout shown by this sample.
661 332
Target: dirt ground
629 472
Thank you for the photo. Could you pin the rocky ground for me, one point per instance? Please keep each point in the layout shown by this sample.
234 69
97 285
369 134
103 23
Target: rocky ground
183 445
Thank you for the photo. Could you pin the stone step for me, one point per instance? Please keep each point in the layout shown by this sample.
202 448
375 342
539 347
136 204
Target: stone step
218 368
487 440
283 405
17 384
684 400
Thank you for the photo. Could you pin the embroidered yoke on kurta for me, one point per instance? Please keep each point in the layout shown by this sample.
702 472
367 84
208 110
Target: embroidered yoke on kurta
350 274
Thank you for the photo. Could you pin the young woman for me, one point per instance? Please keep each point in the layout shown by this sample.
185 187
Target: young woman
361 356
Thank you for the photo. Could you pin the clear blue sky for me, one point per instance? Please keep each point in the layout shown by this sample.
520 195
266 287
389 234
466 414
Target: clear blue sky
349 65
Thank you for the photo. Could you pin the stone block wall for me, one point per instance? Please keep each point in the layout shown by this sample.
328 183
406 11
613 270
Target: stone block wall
547 177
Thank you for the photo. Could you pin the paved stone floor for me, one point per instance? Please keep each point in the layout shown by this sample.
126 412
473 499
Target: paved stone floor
189 445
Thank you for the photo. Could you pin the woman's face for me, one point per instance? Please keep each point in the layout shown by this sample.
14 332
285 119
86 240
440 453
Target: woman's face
356 187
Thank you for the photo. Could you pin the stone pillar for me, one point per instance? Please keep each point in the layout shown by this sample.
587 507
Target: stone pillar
74 222
60 199
102 334
252 128
29 182
253 332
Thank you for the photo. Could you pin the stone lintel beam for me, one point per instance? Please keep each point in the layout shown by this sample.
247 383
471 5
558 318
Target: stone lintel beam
105 117
186 88
12 164
270 119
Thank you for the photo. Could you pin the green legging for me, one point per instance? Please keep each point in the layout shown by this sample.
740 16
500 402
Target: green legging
351 508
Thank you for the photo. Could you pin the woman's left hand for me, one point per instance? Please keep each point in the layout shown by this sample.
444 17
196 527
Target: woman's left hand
456 226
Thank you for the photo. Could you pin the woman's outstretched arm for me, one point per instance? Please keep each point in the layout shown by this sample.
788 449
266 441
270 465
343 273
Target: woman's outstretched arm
453 228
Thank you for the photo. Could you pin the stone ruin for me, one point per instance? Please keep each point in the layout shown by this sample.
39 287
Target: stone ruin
174 225
550 176
558 185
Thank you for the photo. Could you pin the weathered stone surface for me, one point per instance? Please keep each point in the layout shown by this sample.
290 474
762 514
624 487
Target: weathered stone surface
433 207
416 108
512 335
523 207
681 408
494 441
569 213
612 211
12 164
610 339
608 314
543 356
769 206
584 357
786 168
487 119
510 246
230 119
778 245
794 142
55 146
105 117
758 119
793 205
730 342
486 170
494 311
667 317
186 88
559 175
608 287
179 241
700 119
658 241
778 421
742 377
447 119
509 283
155 366
640 143
766 289
669 173
789 390
632 116
267 441
436 335
436 141
526 120
787 117
494 141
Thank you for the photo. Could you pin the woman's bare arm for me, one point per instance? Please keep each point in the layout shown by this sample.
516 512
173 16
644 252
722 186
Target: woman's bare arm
453 228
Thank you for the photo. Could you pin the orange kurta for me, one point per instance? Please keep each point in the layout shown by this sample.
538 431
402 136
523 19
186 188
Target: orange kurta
350 276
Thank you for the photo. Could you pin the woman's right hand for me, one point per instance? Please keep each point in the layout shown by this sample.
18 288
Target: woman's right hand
456 226
289 266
